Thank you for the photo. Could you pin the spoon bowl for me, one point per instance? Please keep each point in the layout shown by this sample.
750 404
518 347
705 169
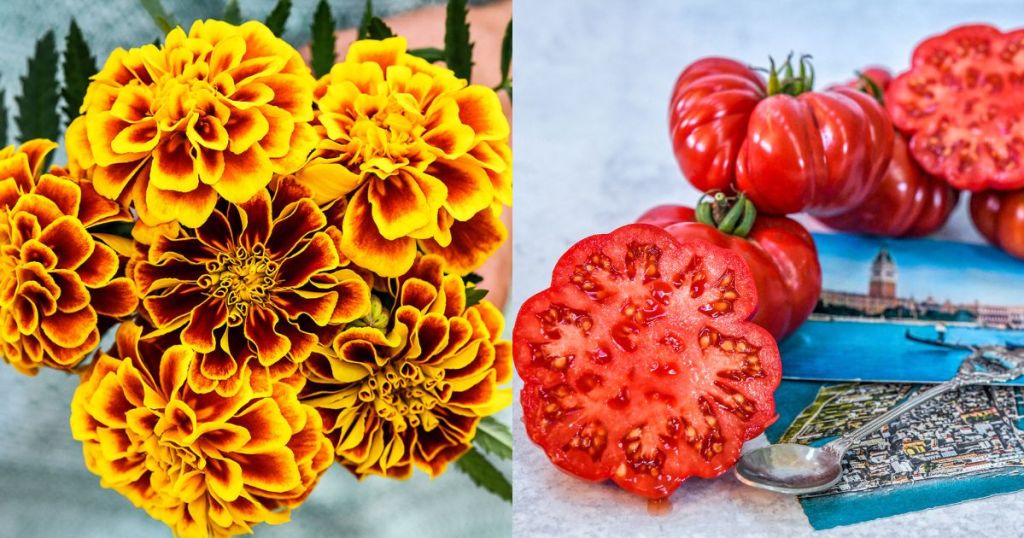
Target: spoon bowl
791 468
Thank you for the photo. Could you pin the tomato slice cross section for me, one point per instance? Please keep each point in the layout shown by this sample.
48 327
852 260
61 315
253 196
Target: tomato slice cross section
639 362
961 101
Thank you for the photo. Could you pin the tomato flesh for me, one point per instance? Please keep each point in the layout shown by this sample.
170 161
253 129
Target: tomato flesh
639 364
962 100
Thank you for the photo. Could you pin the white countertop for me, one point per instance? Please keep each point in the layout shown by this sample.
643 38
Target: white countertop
592 152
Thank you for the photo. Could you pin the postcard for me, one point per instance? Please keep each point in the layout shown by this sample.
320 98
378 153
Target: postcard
892 310
963 445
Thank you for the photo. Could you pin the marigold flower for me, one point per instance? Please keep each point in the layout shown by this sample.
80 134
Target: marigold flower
215 112
261 279
56 278
422 156
414 394
204 464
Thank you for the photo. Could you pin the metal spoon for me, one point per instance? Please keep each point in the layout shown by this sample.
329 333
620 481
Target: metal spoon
799 469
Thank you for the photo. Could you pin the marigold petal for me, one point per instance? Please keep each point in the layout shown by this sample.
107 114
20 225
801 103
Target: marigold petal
244 174
108 403
274 471
366 247
316 256
101 129
328 181
256 219
72 295
398 206
472 242
279 133
245 128
259 329
174 368
132 103
295 221
480 108
190 208
267 427
204 319
138 137
384 52
70 329
224 477
469 187
293 94
111 180
99 267
173 167
65 193
171 309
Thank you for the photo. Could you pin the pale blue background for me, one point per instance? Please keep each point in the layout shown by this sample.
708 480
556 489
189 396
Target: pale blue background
45 490
592 153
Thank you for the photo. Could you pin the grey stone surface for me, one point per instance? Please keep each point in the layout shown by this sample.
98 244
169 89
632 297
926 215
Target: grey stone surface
593 80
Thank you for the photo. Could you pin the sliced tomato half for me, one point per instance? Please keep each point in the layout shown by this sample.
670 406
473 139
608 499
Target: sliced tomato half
639 363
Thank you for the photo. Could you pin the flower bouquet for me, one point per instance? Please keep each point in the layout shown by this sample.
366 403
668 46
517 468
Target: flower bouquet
285 262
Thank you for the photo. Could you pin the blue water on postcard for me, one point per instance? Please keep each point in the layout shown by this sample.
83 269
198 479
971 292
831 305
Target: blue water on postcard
869 351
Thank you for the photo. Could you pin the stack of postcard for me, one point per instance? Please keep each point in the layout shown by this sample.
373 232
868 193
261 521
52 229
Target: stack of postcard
889 318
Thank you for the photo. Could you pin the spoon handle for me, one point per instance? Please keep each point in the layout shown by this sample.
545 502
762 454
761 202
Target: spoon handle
840 445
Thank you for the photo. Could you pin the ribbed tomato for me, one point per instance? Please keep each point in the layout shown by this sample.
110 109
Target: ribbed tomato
779 251
962 102
789 148
999 217
639 364
908 202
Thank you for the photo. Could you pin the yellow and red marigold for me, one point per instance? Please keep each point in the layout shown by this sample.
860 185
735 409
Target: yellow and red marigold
258 280
204 464
412 394
422 157
56 278
214 112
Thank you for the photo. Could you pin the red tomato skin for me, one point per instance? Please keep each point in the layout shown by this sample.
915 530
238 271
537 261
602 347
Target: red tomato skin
908 202
710 108
999 218
820 152
781 256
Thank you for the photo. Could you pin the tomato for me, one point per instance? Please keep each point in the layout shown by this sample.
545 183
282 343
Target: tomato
908 202
961 102
639 364
999 217
779 251
789 148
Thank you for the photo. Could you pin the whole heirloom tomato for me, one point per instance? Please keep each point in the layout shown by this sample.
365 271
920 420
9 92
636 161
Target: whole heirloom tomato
908 202
779 251
960 102
639 364
999 217
789 148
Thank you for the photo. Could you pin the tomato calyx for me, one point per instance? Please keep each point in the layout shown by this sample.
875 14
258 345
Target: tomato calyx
783 80
732 215
870 86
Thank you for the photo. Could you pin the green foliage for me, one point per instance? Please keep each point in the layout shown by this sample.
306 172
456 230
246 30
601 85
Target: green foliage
378 29
279 16
457 47
364 23
474 295
474 278
3 118
506 61
494 437
232 13
323 39
430 54
79 65
483 473
38 115
163 20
